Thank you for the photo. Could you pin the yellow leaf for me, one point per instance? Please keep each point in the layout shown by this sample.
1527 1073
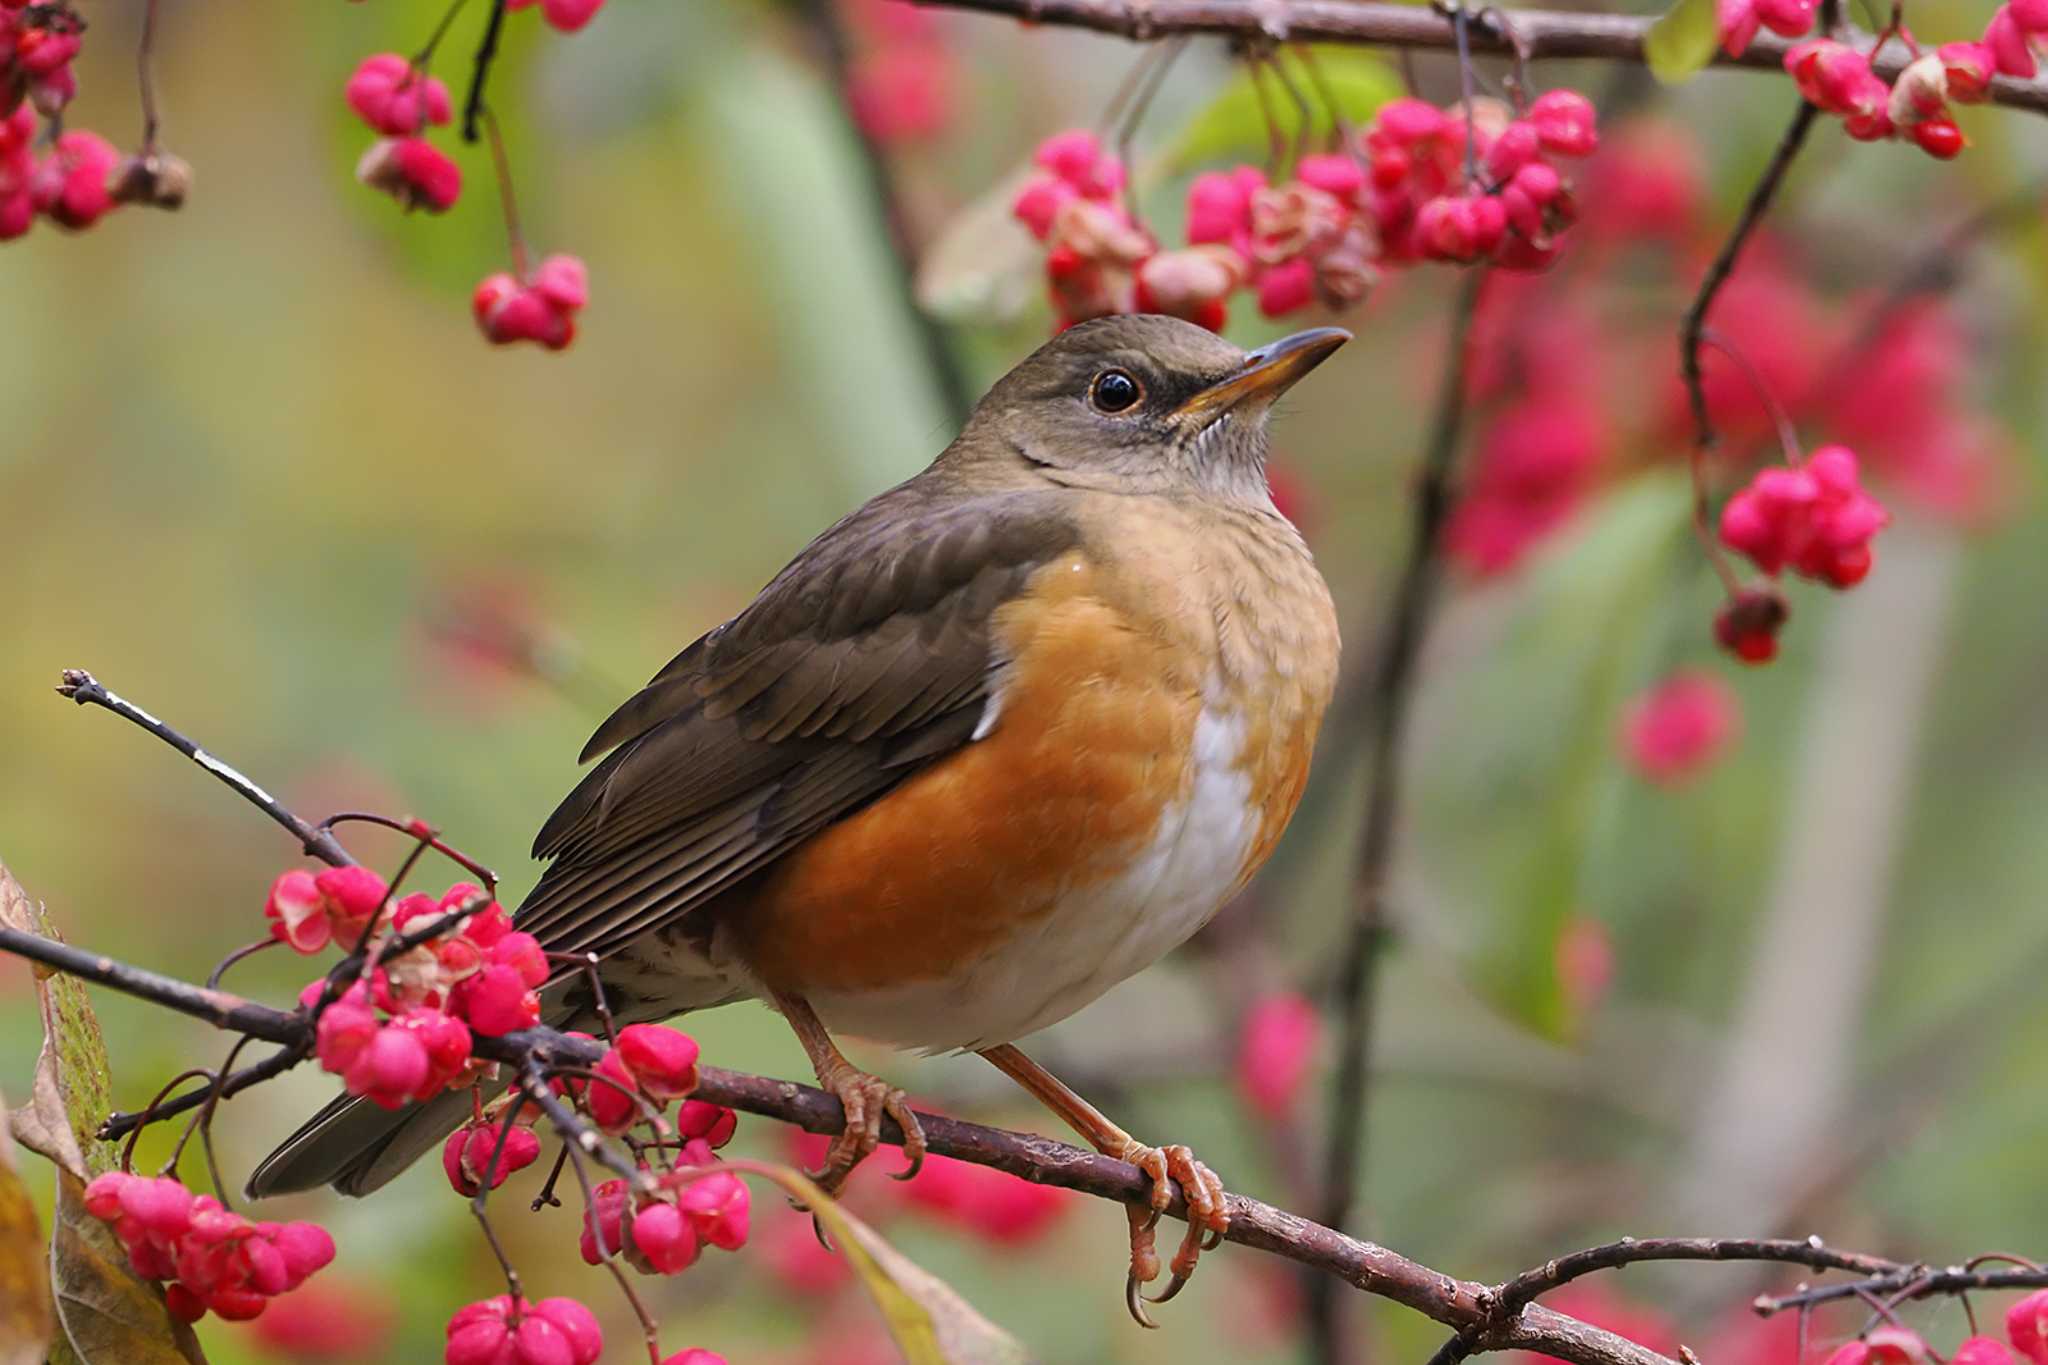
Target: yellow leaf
929 1322
26 1321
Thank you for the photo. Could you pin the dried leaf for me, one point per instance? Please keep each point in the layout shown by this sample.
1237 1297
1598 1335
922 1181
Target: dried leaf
930 1324
26 1319
71 1092
1682 41
110 1315
982 266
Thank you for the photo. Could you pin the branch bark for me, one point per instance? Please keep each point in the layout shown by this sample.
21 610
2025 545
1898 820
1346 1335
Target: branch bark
1547 34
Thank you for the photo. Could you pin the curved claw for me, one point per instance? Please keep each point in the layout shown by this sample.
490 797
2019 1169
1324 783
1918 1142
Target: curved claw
1134 1301
1173 1287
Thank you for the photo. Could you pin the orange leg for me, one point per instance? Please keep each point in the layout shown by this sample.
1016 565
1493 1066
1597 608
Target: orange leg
1208 1213
867 1098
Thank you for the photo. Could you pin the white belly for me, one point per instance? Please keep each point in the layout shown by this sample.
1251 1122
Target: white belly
1096 936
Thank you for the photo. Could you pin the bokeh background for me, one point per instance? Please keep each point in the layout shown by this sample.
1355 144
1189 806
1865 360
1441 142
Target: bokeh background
259 473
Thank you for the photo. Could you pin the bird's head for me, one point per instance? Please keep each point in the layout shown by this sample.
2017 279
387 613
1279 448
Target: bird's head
1143 403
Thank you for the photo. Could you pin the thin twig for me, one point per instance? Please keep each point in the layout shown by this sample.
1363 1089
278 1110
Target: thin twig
81 687
480 70
1386 705
145 53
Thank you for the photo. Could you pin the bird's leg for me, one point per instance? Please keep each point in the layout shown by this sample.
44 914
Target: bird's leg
866 1098
1208 1214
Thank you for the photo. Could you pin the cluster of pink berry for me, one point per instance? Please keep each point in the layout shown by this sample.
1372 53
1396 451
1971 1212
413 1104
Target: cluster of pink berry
1837 79
661 1230
403 1030
1427 204
486 1151
543 308
399 102
1423 184
511 1331
1814 518
2026 1327
211 1259
81 178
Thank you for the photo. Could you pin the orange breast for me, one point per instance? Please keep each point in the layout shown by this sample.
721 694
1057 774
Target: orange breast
1091 745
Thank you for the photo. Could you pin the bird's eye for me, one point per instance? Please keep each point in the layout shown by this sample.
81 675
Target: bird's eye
1114 391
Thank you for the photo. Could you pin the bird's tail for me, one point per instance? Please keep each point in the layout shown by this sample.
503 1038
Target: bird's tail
356 1146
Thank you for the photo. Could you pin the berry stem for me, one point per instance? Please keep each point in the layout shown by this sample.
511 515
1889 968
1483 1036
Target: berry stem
428 838
1788 435
507 199
425 58
145 50
1694 326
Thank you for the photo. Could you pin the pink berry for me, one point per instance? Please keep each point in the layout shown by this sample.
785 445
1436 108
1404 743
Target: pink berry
395 99
717 1206
413 171
296 912
577 1325
1680 726
2026 1322
663 1060
1275 1050
1565 123
611 1101
1981 1351
663 1237
713 1123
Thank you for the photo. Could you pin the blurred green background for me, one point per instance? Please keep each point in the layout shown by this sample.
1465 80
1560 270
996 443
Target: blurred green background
255 461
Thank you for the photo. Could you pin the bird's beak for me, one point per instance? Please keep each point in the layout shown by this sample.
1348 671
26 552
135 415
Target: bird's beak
1268 372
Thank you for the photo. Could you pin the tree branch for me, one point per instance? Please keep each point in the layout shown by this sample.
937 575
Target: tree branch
1546 33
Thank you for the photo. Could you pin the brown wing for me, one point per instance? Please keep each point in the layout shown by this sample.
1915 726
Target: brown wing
868 657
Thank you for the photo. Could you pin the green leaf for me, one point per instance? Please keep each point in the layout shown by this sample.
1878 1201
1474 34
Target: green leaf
1682 41
1532 795
72 1091
27 1321
928 1321
1234 124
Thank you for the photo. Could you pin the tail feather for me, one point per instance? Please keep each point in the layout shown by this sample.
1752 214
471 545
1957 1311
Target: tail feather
357 1146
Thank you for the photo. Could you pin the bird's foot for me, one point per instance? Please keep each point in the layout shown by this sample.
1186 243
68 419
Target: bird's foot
1208 1221
867 1100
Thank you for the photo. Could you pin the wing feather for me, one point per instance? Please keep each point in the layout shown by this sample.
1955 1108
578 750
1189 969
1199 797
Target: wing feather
868 657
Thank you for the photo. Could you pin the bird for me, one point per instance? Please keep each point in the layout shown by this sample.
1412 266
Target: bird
988 746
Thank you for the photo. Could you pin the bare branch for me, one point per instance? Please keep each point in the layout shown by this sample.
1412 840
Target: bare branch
81 687
1545 34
